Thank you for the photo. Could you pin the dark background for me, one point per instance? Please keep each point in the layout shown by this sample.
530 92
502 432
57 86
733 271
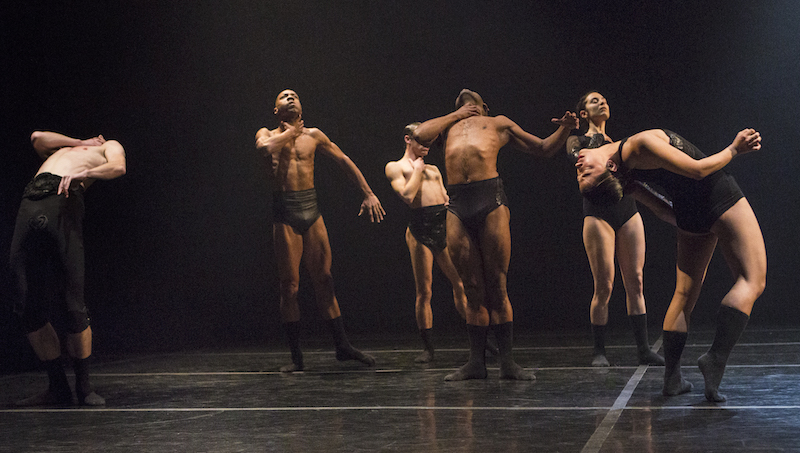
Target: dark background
179 251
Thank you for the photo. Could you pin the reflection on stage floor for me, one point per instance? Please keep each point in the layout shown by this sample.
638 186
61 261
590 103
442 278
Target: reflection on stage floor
236 400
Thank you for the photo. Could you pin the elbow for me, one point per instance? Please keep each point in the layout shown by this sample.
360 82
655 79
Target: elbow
121 170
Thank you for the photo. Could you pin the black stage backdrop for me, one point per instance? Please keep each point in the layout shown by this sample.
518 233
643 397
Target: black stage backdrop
179 251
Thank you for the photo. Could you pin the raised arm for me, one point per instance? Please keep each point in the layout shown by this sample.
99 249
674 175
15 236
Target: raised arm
370 204
407 189
657 153
427 132
46 143
532 144
269 143
115 167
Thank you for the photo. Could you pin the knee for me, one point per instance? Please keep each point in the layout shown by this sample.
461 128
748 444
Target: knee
322 280
424 295
602 291
77 321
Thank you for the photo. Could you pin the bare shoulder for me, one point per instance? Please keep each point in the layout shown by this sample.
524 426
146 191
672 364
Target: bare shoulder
263 132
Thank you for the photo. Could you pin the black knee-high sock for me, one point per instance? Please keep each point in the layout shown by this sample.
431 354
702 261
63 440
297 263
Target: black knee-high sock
643 352
293 338
674 383
475 368
81 368
345 350
730 325
505 342
86 396
599 350
57 378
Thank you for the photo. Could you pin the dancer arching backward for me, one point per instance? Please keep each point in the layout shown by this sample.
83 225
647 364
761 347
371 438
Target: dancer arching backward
420 186
478 235
609 231
50 228
298 229
709 209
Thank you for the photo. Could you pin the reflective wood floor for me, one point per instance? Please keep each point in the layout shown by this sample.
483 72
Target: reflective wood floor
237 401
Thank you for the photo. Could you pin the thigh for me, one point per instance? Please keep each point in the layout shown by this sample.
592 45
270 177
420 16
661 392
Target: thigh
496 244
464 253
598 240
288 247
741 242
317 249
421 262
630 250
694 254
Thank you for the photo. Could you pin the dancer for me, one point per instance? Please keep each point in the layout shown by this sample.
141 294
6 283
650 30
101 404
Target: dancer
478 234
298 229
420 186
49 228
608 232
709 209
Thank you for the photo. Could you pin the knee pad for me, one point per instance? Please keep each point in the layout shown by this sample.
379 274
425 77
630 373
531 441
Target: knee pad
77 321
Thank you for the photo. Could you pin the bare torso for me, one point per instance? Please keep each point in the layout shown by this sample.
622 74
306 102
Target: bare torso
431 191
71 160
293 166
471 149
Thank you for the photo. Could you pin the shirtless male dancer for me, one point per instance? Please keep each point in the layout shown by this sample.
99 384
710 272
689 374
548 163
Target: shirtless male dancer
478 234
298 229
50 226
421 188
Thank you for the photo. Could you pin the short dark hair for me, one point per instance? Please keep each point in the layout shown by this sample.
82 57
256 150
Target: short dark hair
606 192
409 129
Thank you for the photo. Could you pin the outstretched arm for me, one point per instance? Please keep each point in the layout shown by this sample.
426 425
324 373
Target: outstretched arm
406 188
654 153
115 167
270 143
370 204
46 143
532 144
427 132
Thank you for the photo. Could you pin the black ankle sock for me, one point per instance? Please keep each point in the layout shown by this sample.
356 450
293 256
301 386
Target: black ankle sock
345 350
426 334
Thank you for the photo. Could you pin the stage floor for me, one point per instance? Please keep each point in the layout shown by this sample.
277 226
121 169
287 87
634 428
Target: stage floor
236 400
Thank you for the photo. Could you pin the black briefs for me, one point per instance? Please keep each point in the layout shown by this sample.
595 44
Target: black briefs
615 214
298 209
428 225
473 201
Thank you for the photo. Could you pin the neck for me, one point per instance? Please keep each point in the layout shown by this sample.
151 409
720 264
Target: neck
596 128
409 154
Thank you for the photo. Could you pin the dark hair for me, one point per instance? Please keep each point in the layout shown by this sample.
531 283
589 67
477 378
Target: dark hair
606 192
409 130
581 105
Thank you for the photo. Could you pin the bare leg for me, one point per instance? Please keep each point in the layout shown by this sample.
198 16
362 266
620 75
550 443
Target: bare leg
630 255
422 263
694 254
467 262
598 240
496 254
743 246
288 253
317 255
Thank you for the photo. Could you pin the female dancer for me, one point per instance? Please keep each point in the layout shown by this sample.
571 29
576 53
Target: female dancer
612 230
709 209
